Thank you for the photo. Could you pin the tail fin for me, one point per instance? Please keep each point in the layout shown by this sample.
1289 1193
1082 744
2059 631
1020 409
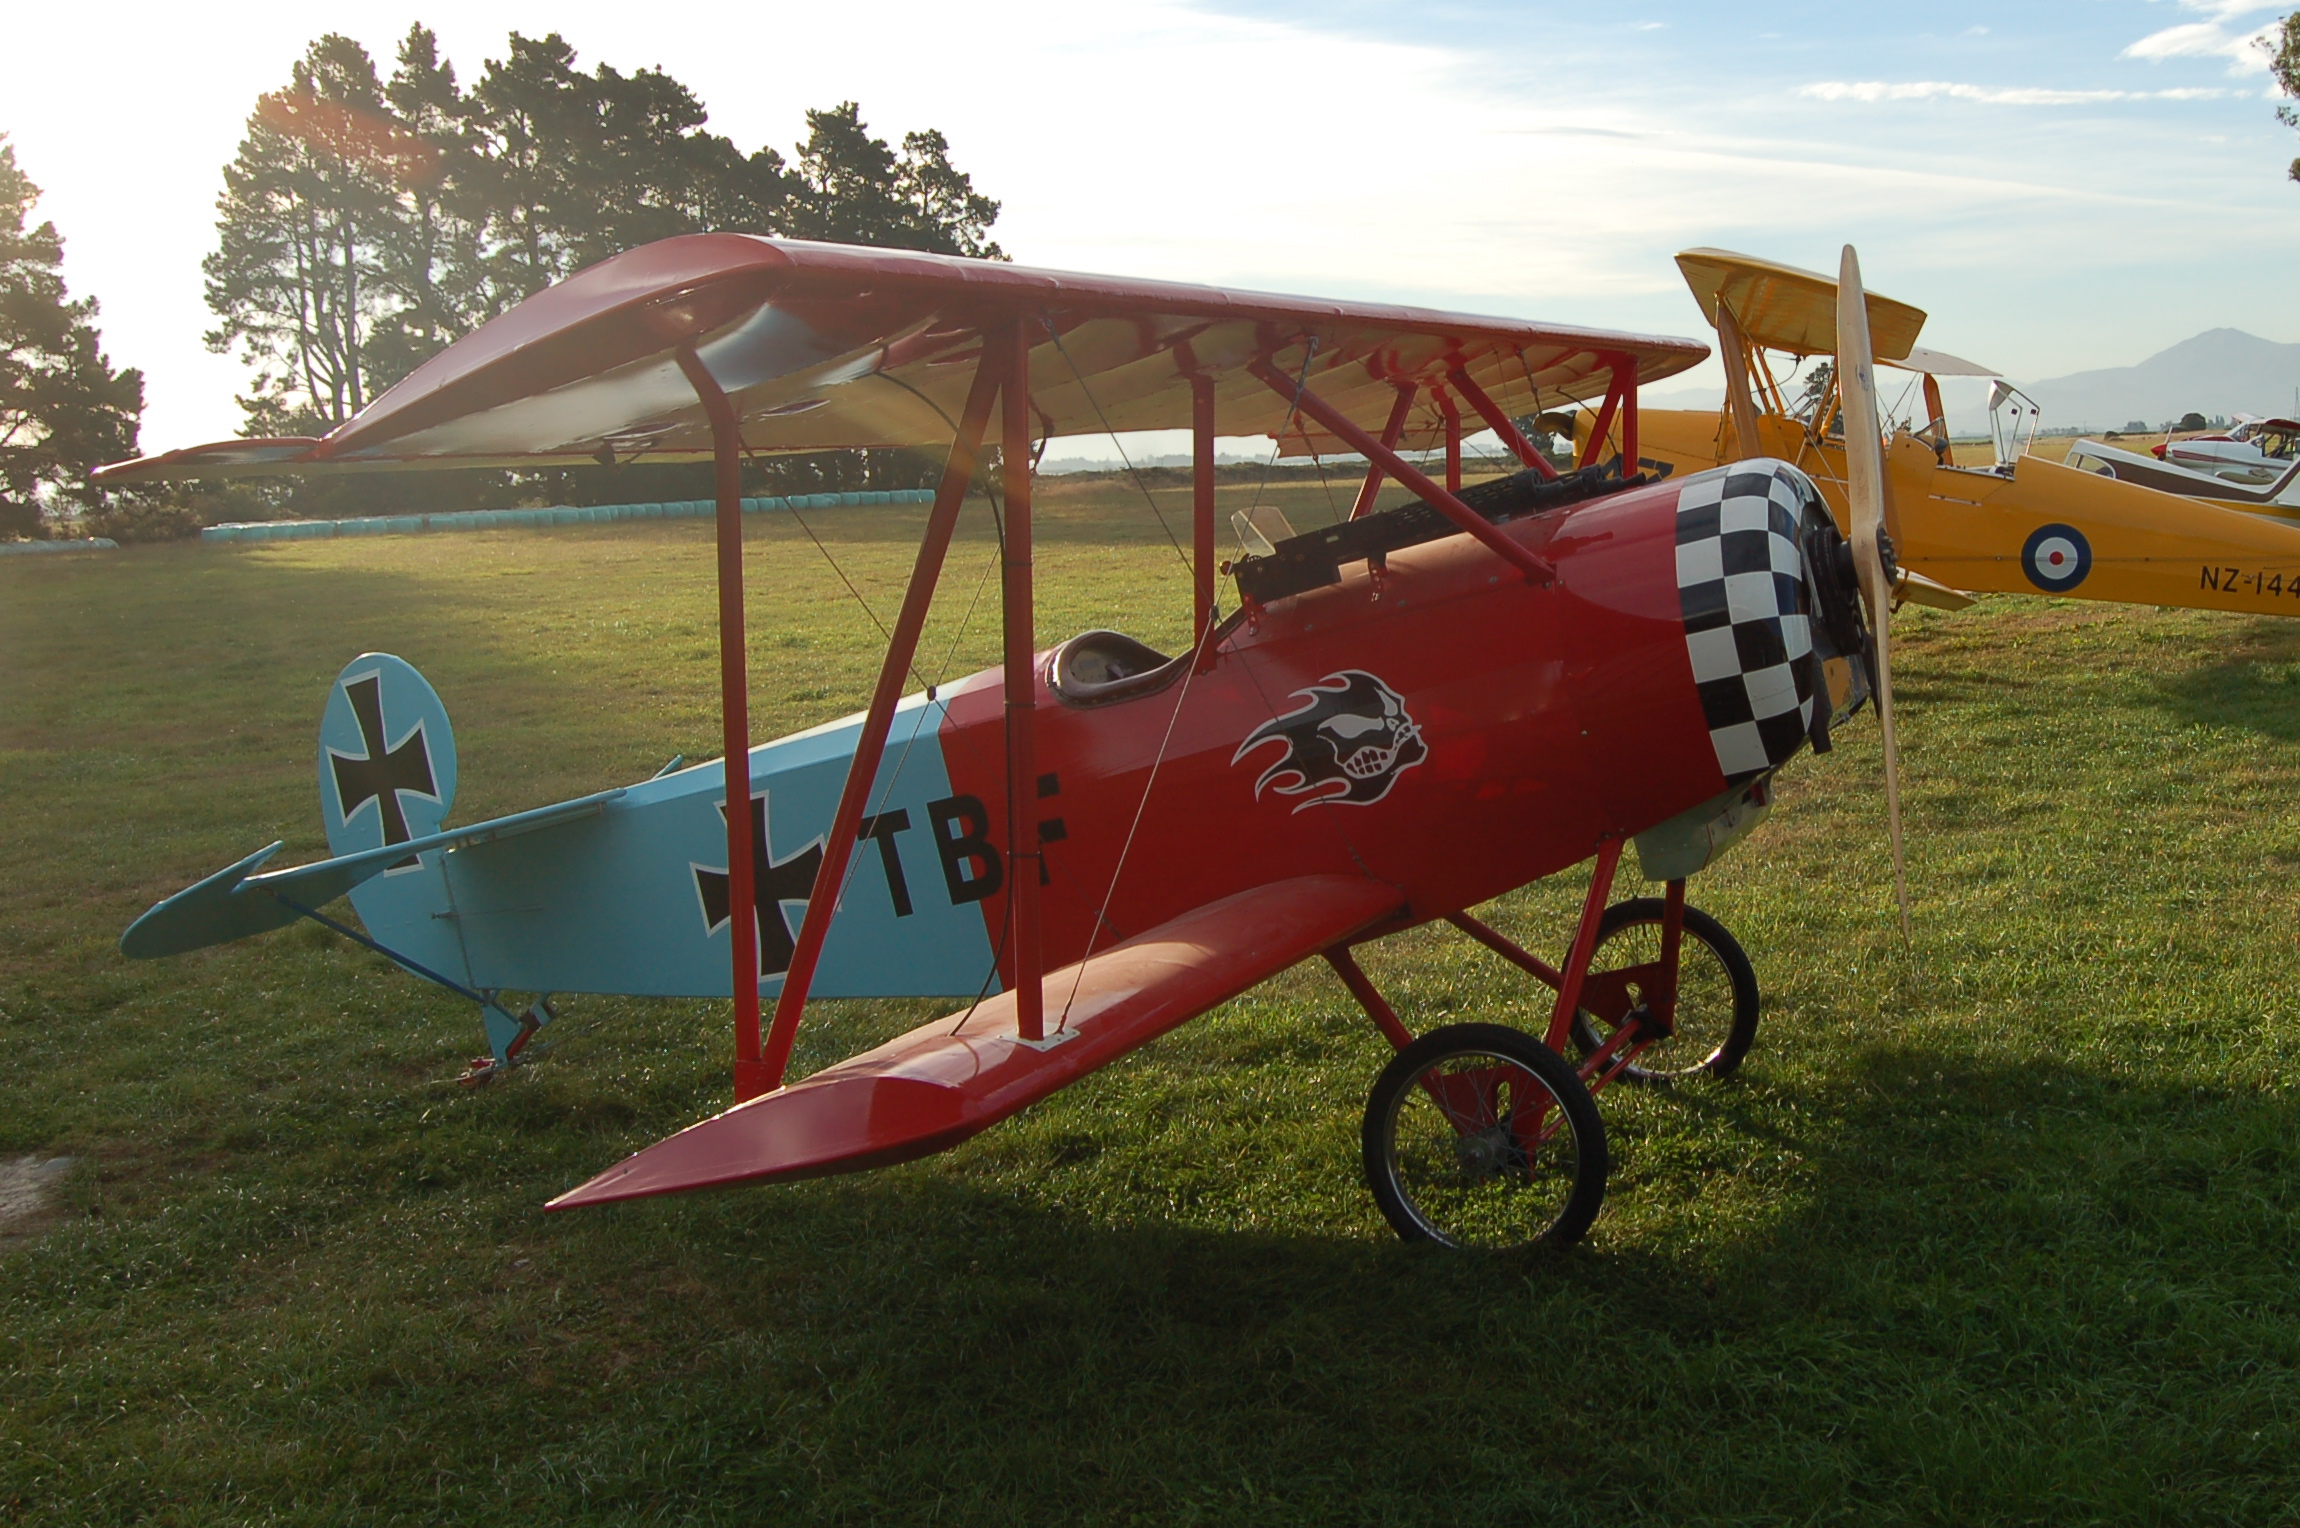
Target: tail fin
387 776
386 756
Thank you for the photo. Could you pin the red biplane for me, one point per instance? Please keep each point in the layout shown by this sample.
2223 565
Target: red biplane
1403 715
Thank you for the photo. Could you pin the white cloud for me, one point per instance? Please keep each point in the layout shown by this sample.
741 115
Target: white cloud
2208 39
1995 95
2225 10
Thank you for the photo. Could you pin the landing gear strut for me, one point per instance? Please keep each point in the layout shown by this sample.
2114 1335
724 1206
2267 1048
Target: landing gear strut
1477 1135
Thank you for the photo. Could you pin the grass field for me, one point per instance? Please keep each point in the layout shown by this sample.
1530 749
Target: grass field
1998 1231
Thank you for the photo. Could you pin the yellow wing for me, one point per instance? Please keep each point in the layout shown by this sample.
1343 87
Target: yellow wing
1784 308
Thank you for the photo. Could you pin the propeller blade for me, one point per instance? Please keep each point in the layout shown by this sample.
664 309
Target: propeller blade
1865 478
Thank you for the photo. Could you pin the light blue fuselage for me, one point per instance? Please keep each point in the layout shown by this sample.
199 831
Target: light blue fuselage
623 901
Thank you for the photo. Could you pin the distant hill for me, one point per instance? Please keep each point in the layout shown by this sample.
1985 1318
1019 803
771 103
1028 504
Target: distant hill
2221 371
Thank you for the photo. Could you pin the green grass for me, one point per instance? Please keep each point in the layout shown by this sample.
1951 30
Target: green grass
1999 1232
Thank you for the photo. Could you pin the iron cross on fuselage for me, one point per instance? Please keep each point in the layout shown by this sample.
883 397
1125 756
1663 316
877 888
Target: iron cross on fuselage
773 882
383 771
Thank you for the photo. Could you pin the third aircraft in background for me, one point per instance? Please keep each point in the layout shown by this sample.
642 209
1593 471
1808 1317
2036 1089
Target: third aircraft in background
2254 467
2022 525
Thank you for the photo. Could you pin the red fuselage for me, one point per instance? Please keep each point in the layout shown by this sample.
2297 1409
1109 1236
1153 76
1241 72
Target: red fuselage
1353 757
1547 718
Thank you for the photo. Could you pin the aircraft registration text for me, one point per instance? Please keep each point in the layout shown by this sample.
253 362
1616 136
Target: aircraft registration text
2265 581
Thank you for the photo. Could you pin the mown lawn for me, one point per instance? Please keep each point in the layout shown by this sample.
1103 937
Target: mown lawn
2001 1230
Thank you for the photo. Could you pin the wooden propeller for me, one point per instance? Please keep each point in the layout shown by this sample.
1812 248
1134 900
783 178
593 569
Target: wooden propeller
1865 476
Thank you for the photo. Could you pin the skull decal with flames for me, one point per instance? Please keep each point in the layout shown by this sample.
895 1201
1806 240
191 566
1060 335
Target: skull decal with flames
1347 744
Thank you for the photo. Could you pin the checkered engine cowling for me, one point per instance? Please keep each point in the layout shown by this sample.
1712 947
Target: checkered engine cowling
1748 612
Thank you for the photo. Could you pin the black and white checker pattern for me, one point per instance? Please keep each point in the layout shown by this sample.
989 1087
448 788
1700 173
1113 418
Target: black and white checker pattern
1748 628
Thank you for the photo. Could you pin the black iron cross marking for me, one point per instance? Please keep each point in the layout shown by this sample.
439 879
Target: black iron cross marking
383 771
773 884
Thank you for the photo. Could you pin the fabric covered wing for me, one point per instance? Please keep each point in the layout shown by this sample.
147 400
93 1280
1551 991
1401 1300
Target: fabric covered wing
945 1081
824 346
1785 308
1940 363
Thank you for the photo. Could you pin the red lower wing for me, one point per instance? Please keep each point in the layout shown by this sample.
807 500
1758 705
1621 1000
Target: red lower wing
944 1081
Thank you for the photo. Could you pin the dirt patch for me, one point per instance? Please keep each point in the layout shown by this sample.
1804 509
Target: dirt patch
25 1186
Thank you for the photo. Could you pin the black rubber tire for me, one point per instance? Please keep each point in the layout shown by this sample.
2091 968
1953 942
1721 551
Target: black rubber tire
1437 1182
1710 963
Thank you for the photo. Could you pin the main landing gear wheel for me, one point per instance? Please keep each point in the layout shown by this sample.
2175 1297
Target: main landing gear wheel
1480 1136
1716 1017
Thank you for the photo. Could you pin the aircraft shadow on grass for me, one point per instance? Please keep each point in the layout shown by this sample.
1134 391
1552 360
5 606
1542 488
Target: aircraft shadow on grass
1935 686
2255 687
2005 1234
1911 1163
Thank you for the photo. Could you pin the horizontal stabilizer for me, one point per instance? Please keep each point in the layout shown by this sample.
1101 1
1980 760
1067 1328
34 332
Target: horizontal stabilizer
234 903
945 1081
210 912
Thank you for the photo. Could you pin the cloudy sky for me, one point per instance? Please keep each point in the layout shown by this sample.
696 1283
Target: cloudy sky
2063 184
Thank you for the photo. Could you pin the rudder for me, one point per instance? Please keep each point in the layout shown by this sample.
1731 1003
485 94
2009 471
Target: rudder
387 775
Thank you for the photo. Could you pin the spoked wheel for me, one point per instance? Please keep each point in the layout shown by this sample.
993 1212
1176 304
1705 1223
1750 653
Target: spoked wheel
1716 1016
1481 1136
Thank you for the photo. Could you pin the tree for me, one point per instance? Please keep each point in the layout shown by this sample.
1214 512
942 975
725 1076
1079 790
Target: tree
63 409
364 226
2283 48
299 273
431 258
578 167
1818 384
854 189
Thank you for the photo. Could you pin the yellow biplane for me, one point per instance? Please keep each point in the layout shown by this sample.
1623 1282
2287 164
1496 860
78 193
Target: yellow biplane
2021 525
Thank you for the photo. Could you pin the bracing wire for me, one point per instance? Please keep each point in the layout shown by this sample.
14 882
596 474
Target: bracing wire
1141 805
1333 510
902 758
1278 436
1133 473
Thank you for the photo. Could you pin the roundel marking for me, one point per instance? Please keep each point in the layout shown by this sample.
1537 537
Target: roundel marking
2056 558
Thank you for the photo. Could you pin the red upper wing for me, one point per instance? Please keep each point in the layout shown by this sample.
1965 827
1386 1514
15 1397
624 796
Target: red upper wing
824 346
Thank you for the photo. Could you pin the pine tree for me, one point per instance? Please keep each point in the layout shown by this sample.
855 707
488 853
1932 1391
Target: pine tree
63 409
431 258
854 189
365 226
581 166
1820 382
309 207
